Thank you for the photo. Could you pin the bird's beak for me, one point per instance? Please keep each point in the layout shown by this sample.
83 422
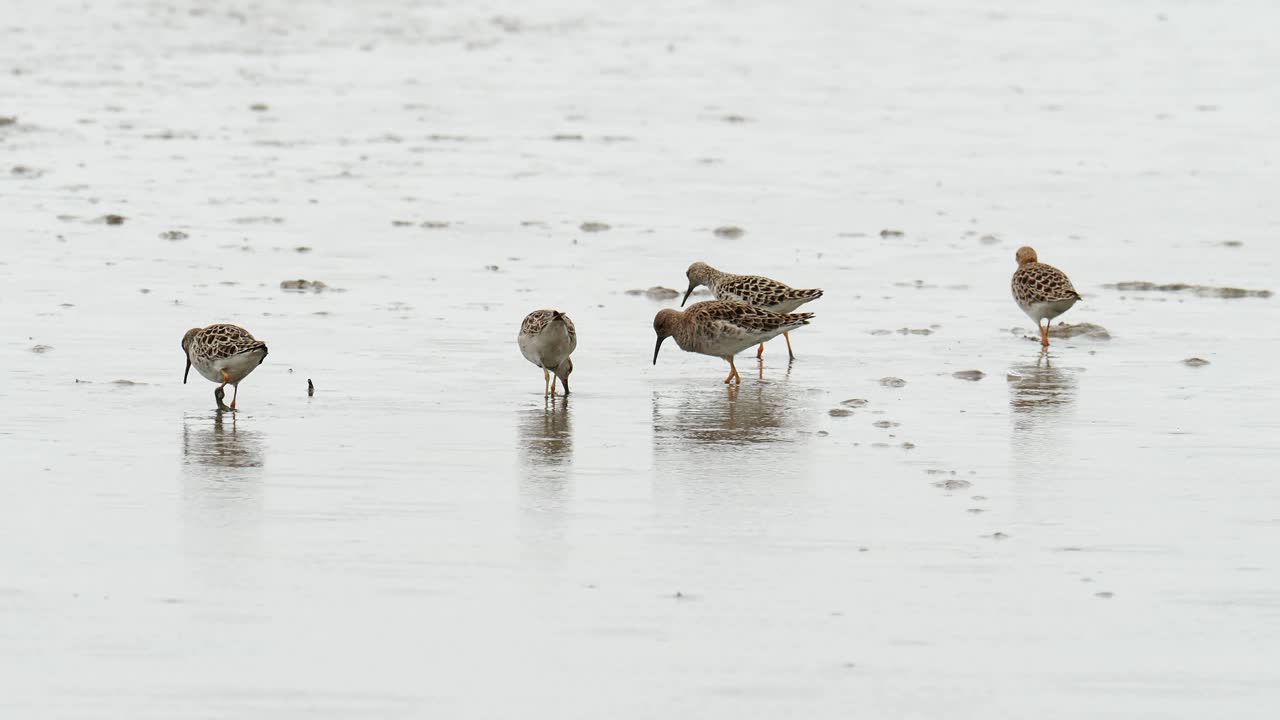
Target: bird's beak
687 293
187 371
656 348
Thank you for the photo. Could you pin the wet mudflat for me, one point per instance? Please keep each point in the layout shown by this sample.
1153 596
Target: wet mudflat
923 516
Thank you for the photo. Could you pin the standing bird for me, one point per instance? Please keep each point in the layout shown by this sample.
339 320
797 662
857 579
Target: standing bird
1042 291
223 354
547 338
722 329
754 290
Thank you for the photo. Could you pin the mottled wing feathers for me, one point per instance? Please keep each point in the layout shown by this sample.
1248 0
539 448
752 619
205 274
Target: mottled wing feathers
735 318
1037 282
222 341
761 291
538 320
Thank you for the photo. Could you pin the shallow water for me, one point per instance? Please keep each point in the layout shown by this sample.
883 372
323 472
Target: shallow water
1084 534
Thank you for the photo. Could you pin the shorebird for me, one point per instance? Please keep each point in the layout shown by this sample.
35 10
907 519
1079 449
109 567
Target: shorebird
722 328
754 290
1042 291
224 354
547 338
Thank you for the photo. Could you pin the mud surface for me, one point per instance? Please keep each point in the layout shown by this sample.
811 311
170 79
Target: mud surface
426 536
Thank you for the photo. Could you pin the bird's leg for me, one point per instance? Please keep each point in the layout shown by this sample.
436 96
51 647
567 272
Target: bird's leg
736 377
732 370
235 391
545 377
1044 334
553 385
787 337
760 351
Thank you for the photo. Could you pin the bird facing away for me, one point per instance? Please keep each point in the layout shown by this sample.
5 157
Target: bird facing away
1042 291
546 339
224 354
754 290
722 328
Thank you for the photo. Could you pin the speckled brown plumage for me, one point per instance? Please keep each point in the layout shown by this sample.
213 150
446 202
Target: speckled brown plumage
546 339
722 328
1042 291
224 354
536 321
754 290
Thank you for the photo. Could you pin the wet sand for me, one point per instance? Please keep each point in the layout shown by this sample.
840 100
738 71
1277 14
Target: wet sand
1088 533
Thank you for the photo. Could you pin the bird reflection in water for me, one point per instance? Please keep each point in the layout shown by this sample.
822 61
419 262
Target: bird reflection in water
1041 396
221 493
222 464
1041 387
733 415
546 452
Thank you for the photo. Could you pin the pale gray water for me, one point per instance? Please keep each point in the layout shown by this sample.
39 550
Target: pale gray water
1087 535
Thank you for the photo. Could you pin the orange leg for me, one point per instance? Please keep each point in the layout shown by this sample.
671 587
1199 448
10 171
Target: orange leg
1044 336
760 351
787 337
235 391
733 374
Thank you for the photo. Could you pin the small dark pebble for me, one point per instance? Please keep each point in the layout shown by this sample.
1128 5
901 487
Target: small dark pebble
173 235
972 375
887 233
854 402
1195 362
41 348
952 484
593 227
258 107
729 232
113 219
893 382
839 412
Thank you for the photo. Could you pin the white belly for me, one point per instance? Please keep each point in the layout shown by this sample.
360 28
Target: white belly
237 366
1047 310
548 348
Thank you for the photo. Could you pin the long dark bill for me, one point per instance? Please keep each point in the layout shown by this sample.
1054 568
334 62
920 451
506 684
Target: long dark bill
187 371
656 348
687 293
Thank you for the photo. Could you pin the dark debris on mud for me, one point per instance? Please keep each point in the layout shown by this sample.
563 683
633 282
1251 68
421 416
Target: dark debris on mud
1069 330
657 292
1198 290
303 285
